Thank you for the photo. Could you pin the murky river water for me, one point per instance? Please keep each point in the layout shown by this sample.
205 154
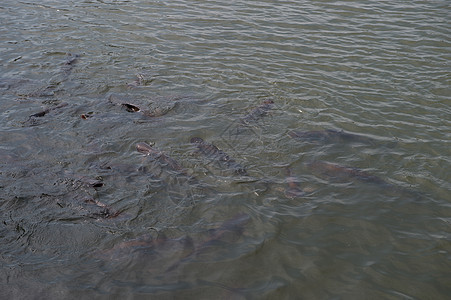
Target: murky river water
286 149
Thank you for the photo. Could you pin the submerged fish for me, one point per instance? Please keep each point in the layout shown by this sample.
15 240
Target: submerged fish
217 155
106 211
329 135
62 76
26 88
147 149
293 190
185 183
46 111
69 64
145 109
139 81
258 112
343 173
232 228
234 225
147 244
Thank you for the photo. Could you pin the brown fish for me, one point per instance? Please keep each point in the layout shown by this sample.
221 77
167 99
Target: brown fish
62 76
217 155
171 164
258 112
93 182
139 81
234 224
293 190
106 212
342 173
69 64
46 111
329 136
132 107
233 227
146 149
147 243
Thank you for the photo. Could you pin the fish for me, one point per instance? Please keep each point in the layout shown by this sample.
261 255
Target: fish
46 111
343 173
131 107
258 112
218 155
139 81
85 180
182 175
7 157
26 88
293 190
146 149
146 243
106 212
233 228
14 83
234 224
69 64
329 136
62 76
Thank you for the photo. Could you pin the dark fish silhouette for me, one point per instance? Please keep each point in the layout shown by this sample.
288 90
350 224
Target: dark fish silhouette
147 244
139 81
46 111
258 112
230 229
11 83
26 88
92 182
293 190
132 107
58 79
181 182
342 173
106 211
171 163
329 136
7 157
234 225
217 155
69 64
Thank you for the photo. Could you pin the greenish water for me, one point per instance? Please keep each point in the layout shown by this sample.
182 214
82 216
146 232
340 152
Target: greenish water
318 214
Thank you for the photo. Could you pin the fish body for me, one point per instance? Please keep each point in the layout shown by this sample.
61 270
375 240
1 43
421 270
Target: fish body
258 112
146 243
106 212
217 155
69 64
343 173
132 107
293 190
71 59
146 149
182 174
26 88
329 136
233 227
46 111
139 81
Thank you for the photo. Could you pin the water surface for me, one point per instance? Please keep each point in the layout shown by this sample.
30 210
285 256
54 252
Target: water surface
86 215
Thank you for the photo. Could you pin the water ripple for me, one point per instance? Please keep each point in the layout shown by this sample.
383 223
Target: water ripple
73 184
